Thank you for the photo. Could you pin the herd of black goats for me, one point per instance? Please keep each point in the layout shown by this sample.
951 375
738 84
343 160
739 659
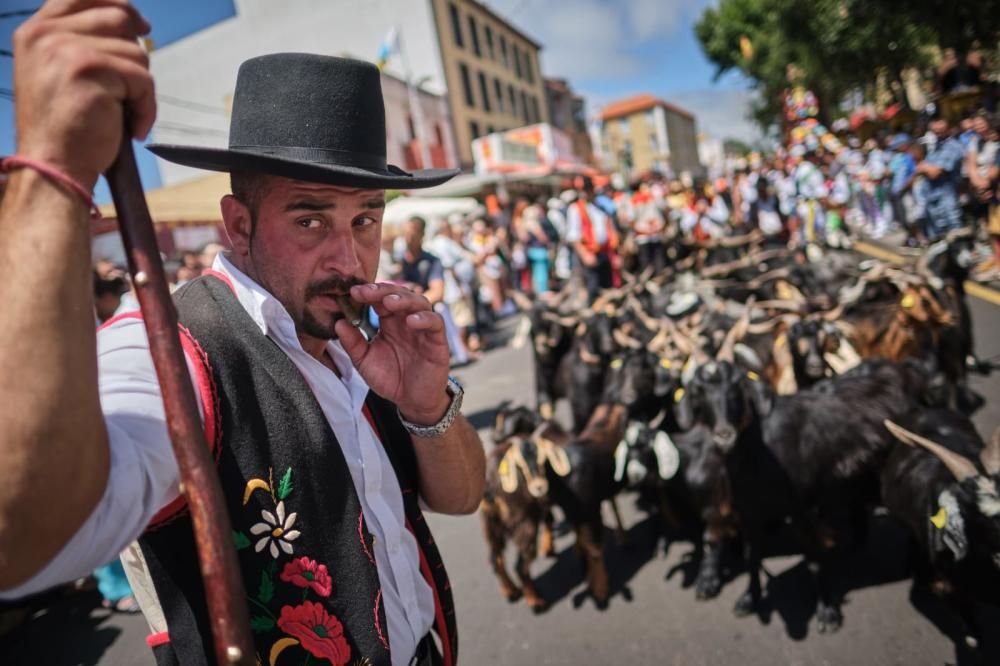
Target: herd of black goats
749 390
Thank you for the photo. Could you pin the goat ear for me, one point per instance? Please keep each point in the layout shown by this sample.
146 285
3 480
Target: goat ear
684 408
761 394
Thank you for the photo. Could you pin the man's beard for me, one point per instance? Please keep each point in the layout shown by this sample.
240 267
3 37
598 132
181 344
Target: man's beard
311 325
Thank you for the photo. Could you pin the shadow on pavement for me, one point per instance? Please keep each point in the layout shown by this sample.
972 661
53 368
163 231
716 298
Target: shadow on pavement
60 629
482 419
623 562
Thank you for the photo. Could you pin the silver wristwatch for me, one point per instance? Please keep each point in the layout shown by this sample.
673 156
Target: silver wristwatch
441 427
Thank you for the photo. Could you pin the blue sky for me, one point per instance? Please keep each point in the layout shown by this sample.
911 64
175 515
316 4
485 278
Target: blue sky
606 48
171 20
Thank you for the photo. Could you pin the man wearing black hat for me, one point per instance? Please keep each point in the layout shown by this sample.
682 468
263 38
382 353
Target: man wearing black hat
327 444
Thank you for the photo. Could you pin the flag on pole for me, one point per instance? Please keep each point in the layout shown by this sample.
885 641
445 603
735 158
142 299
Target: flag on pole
390 46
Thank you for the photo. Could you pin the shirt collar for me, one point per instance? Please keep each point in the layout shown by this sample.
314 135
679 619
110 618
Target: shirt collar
274 321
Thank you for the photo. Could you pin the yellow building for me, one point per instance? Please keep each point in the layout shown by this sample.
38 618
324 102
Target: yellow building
645 133
493 78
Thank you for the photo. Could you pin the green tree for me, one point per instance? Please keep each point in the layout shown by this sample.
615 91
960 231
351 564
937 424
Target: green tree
837 46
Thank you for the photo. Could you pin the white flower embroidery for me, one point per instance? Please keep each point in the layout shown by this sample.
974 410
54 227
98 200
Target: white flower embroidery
277 531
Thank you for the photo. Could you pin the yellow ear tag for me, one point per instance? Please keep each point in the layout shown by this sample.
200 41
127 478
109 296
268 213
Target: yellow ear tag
616 363
504 468
753 376
781 340
666 364
940 518
908 301
678 395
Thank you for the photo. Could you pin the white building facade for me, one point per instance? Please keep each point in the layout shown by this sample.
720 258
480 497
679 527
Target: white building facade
195 76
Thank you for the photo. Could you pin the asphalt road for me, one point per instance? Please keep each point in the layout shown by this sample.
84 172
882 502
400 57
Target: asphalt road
652 618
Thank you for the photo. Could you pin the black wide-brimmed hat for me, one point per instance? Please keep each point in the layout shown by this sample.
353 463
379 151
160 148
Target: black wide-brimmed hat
308 117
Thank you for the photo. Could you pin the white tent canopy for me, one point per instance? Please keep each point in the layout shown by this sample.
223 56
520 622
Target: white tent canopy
433 210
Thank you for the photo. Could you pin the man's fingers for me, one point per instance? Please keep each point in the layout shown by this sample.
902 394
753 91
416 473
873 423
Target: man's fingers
107 21
405 302
56 8
425 321
351 340
125 63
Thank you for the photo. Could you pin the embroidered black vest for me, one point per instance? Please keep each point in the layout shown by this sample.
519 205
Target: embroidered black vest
305 554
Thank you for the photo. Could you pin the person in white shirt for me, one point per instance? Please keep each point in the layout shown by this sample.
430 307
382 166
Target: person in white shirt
324 441
592 235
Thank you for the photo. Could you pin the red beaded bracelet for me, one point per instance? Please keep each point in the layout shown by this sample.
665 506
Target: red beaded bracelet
15 161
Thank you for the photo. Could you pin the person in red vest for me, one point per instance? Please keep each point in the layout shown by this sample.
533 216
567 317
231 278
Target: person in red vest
593 236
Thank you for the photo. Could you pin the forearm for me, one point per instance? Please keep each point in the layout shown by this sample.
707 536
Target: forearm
435 292
452 469
54 436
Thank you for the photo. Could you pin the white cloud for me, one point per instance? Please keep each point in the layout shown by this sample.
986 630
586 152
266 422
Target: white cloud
591 42
588 40
723 114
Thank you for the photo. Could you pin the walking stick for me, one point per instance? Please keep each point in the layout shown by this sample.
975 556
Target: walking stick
227 607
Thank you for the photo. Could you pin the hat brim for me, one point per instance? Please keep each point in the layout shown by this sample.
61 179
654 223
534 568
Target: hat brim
224 159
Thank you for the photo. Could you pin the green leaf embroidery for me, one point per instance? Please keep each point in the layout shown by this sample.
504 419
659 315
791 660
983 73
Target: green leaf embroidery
266 590
285 485
261 623
240 540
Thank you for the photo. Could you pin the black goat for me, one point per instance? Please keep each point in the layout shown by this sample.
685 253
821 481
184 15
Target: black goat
810 459
951 507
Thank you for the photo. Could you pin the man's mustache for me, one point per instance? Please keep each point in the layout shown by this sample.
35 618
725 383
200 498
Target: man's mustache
334 284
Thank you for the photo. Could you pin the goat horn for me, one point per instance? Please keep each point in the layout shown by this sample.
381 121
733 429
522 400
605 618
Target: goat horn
990 456
659 341
625 340
958 465
651 323
736 333
834 314
566 321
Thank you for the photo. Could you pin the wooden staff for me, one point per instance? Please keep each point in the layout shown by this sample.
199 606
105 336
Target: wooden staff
199 481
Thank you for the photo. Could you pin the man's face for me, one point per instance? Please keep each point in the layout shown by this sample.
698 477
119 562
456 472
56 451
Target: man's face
311 242
940 128
980 126
414 236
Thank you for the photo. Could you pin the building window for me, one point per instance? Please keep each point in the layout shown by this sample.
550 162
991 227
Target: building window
484 91
498 89
525 111
513 99
456 24
654 143
529 70
473 129
489 129
475 35
410 128
534 109
439 134
503 51
517 61
470 100
489 43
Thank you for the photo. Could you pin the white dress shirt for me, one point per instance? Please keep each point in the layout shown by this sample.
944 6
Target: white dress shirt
574 223
144 475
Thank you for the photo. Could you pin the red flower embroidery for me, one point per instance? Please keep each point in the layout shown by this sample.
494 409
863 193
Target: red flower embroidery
320 633
308 573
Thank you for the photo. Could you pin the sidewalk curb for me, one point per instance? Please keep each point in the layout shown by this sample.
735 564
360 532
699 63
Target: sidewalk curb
987 294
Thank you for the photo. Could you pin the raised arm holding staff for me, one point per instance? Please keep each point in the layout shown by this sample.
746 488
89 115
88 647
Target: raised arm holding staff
324 442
